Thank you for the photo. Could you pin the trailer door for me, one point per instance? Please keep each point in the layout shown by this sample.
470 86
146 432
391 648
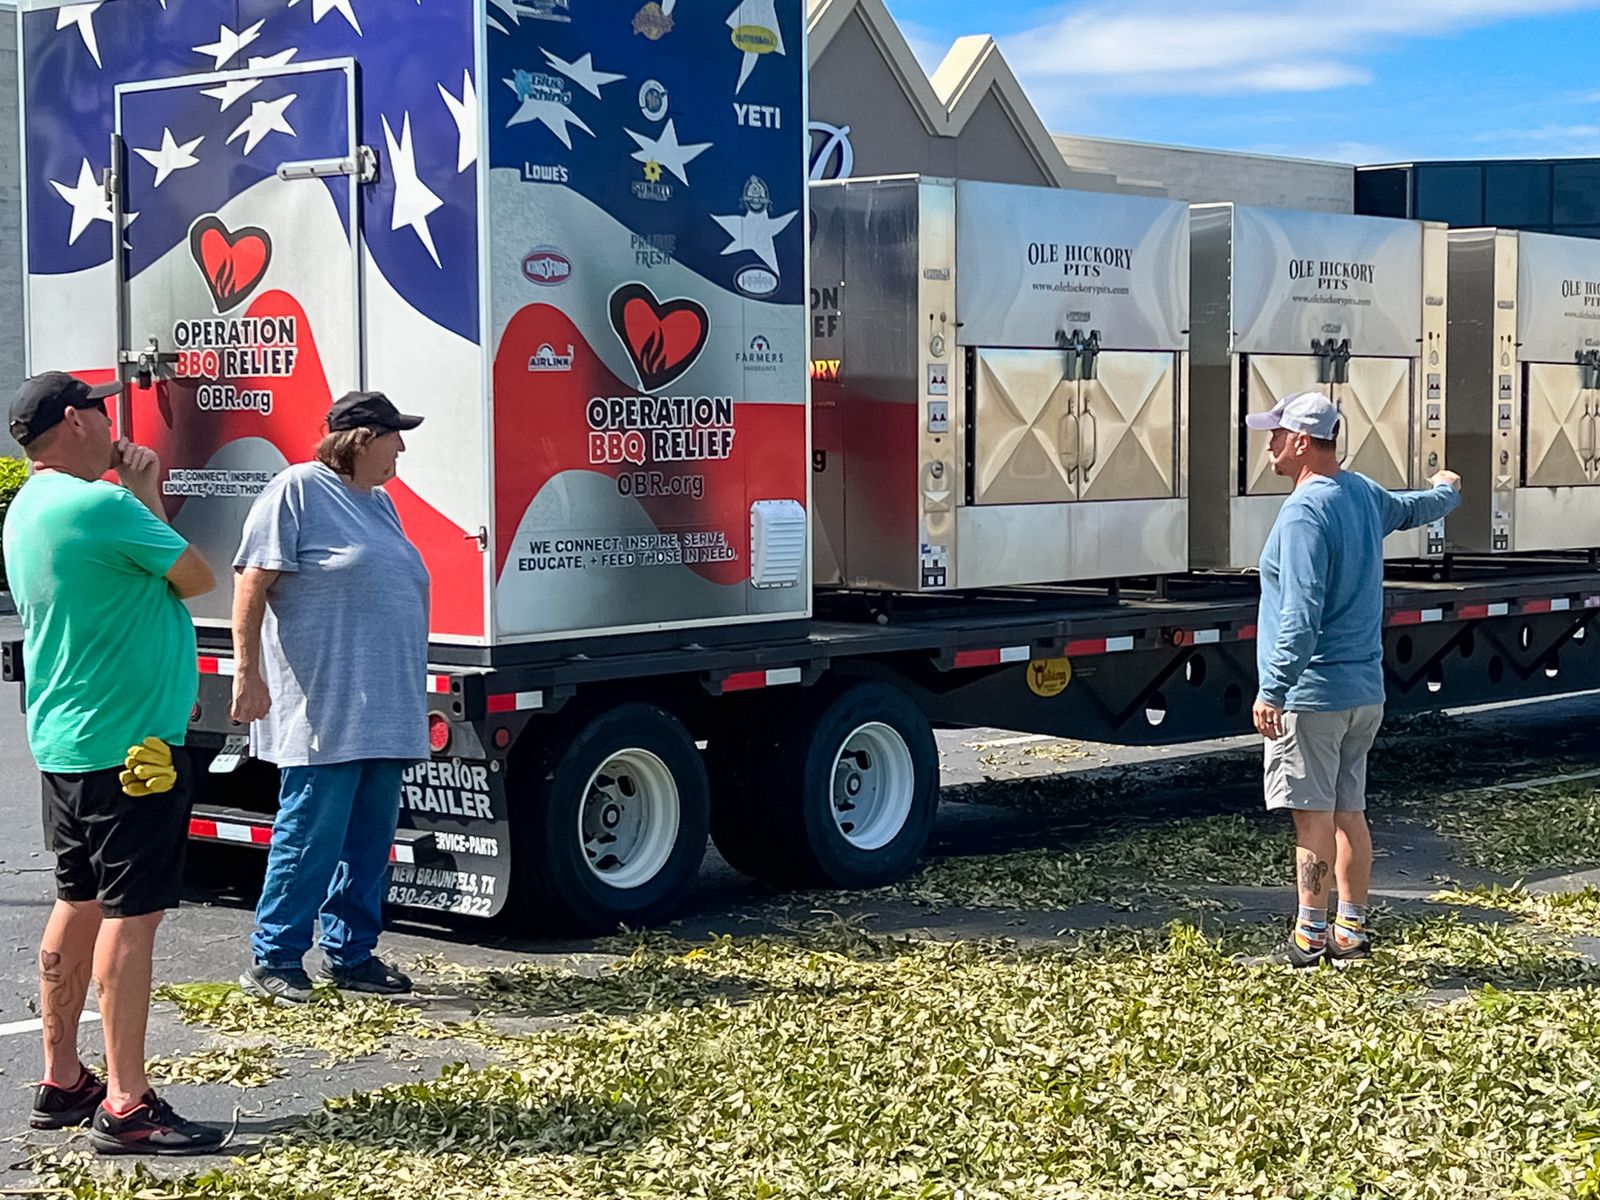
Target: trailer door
1558 426
238 280
1375 410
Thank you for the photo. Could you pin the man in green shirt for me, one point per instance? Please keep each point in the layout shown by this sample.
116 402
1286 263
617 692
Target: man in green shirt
99 579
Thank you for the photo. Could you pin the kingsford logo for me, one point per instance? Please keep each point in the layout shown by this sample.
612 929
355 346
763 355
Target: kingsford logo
547 267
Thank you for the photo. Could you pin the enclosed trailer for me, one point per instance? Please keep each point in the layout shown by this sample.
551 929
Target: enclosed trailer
570 236
1000 375
1287 302
1525 390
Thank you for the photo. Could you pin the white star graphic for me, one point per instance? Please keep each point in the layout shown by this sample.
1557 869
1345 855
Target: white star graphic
321 8
82 15
266 116
170 157
509 8
89 202
666 150
764 16
581 71
237 89
755 232
465 113
555 117
413 202
229 43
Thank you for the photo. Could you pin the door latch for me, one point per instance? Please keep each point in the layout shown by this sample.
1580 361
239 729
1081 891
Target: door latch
1083 353
147 362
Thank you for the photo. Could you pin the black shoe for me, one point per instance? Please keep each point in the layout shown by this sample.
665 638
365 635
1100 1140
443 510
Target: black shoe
289 984
1290 956
1349 956
373 976
62 1108
152 1128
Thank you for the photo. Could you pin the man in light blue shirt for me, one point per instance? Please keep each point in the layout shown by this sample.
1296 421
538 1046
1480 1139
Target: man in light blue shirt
1319 658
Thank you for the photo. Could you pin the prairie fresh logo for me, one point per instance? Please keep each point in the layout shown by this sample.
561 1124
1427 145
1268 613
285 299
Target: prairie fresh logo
547 267
232 262
662 337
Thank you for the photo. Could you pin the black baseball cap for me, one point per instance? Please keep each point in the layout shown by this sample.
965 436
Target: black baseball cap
368 410
42 402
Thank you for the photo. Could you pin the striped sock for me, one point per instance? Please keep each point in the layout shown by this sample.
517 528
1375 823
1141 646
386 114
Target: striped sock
1311 929
1350 926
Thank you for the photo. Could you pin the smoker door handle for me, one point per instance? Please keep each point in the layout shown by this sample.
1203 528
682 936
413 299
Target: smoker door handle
1342 443
1586 438
1071 445
1094 438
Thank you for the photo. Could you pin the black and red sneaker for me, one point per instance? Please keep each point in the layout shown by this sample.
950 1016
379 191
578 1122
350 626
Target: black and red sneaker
151 1128
57 1107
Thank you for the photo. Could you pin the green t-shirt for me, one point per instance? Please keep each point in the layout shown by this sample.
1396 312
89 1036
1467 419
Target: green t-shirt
108 648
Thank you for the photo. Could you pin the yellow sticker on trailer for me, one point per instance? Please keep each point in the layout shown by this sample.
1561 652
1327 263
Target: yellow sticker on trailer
1049 677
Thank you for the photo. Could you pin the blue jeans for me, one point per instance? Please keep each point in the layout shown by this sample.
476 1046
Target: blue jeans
329 860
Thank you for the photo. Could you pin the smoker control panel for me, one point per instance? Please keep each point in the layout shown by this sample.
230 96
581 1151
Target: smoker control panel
1435 414
938 416
1503 416
1505 387
1435 387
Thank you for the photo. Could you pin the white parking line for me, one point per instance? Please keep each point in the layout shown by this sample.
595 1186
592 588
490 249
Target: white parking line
37 1025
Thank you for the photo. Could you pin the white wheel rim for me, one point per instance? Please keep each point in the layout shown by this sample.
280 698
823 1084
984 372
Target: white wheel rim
628 822
874 781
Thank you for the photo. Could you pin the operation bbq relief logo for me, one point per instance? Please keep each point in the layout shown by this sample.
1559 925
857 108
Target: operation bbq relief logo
233 263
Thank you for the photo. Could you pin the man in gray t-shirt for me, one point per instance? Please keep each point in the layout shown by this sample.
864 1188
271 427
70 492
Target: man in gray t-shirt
330 629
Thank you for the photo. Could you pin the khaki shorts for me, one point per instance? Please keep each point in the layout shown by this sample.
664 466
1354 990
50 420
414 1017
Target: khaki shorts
1320 763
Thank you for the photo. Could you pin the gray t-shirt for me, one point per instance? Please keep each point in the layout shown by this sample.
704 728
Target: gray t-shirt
344 644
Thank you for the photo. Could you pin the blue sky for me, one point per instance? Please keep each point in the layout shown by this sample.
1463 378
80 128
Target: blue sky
1353 80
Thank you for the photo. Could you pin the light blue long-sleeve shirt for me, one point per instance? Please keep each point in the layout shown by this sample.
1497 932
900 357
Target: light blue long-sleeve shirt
1319 638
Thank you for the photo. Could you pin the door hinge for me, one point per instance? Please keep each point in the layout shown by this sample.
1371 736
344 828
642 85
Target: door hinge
363 164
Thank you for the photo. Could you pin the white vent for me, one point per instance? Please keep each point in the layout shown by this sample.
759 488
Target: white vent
777 543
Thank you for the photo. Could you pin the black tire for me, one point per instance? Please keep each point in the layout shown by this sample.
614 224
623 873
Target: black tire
554 888
773 812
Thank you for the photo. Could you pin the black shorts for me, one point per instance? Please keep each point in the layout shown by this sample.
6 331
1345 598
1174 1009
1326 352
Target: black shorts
124 851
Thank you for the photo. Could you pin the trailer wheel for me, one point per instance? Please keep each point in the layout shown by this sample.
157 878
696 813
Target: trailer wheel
617 825
845 796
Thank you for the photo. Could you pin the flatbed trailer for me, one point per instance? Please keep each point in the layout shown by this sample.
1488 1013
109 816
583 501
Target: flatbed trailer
575 789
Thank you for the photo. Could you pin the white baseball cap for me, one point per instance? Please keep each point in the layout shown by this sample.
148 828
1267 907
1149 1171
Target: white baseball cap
1303 412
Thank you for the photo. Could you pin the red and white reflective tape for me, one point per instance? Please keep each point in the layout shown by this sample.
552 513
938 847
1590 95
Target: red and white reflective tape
216 665
208 830
1086 646
439 685
1425 616
1473 612
507 702
993 658
1247 633
749 681
1558 604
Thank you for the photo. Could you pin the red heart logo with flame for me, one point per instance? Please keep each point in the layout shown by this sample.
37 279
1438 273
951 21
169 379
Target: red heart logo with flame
233 262
663 338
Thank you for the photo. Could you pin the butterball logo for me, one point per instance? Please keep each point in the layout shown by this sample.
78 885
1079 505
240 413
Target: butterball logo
547 267
756 281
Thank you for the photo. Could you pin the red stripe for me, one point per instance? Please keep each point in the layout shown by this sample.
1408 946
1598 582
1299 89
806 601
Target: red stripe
1247 633
1406 618
745 681
202 828
394 854
439 683
1470 612
1536 606
261 835
1086 646
503 704
209 666
977 658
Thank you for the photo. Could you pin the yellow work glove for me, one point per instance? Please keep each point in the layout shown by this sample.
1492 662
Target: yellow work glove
149 770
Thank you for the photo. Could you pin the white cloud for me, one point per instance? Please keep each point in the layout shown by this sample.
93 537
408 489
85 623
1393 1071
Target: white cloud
1177 47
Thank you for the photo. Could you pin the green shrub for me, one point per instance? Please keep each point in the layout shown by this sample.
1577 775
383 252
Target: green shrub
13 473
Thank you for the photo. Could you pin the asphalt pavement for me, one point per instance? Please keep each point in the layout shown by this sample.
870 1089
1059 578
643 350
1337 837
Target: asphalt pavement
208 939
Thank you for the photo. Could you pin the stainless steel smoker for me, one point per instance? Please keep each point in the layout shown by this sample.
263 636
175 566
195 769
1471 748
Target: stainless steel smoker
1286 302
999 384
1524 391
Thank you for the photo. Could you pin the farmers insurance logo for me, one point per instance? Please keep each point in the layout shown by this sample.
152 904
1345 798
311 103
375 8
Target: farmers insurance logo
760 358
232 262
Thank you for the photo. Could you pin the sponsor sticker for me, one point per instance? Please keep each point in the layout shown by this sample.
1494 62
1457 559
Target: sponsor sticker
652 21
547 267
653 100
545 359
756 281
1049 677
